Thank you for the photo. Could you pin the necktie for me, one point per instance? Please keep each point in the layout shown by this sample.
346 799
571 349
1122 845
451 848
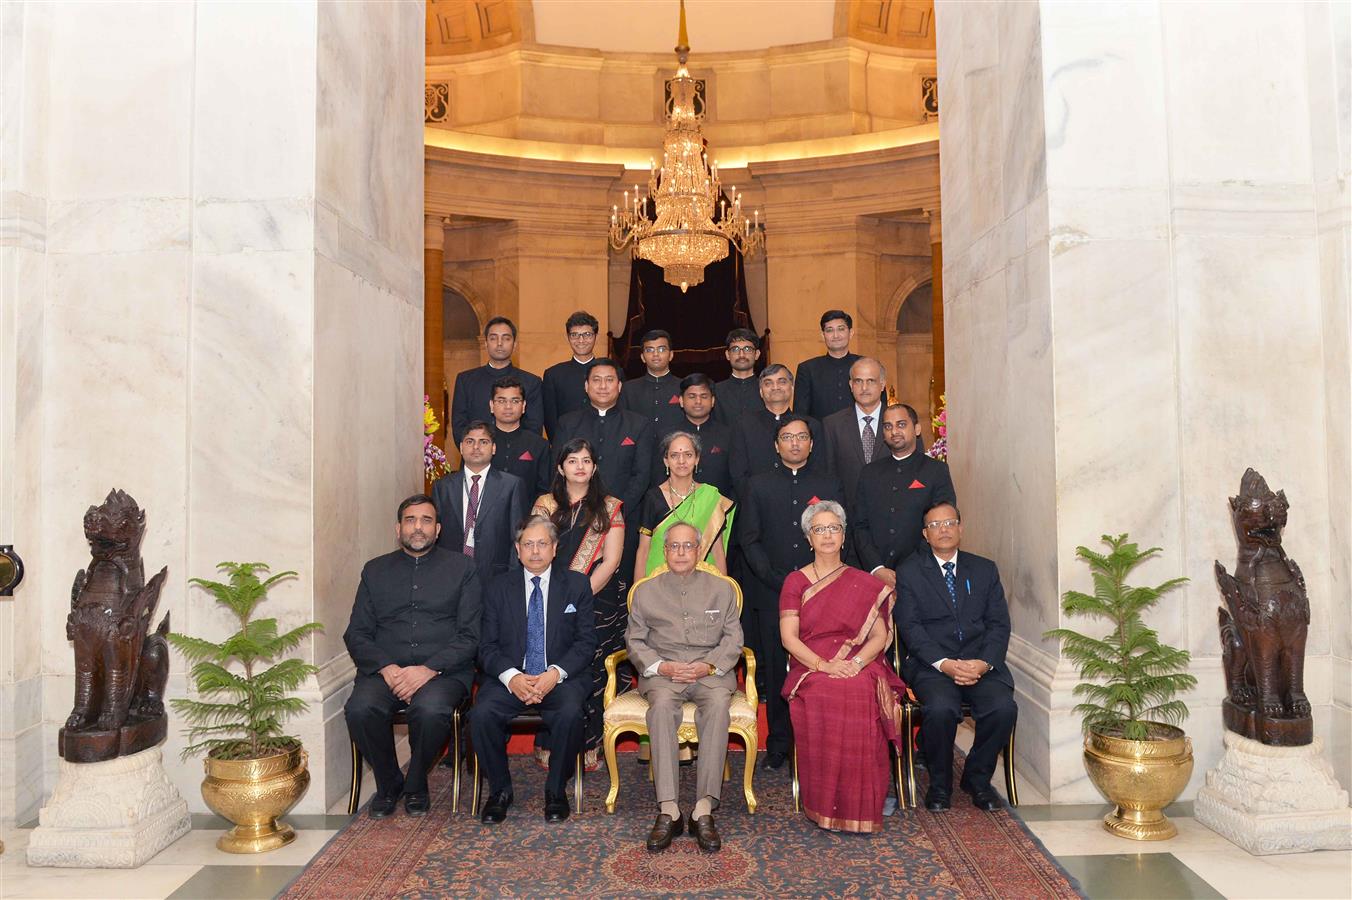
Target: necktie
869 438
951 581
535 629
472 514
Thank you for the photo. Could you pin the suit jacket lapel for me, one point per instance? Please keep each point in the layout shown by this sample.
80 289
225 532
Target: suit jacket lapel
936 577
457 499
485 487
554 618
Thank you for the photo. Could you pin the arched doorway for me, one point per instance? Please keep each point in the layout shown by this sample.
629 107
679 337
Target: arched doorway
915 353
459 348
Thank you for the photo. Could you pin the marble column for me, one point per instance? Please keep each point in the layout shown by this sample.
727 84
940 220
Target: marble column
218 308
434 371
1126 190
937 305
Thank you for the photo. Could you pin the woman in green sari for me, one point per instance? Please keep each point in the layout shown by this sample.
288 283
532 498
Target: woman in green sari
682 499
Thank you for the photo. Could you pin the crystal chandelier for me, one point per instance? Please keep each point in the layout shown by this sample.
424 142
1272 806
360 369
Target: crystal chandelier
674 225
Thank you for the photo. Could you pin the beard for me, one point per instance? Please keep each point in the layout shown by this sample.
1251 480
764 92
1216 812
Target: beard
416 542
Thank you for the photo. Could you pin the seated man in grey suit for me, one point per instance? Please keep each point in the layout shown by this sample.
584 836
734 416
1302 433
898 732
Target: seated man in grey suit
685 637
479 506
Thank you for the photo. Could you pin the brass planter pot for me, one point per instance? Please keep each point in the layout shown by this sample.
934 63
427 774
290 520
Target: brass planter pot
252 793
1141 778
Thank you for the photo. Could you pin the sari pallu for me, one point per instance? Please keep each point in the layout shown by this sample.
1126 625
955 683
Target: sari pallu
842 725
707 510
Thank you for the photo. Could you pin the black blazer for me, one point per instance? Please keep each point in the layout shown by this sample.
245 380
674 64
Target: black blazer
570 624
624 447
500 505
845 447
770 528
926 622
890 500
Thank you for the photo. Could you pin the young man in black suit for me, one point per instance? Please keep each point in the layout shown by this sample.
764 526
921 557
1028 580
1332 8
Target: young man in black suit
892 495
656 394
517 450
740 392
823 383
563 382
474 387
772 540
715 438
953 622
755 448
479 505
539 636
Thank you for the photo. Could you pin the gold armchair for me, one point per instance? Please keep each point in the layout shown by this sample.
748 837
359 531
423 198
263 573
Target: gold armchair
628 713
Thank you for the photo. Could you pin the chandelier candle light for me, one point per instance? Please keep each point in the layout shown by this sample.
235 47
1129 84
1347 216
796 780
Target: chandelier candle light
674 224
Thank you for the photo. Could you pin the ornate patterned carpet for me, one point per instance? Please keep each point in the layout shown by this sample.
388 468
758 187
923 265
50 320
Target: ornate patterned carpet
774 853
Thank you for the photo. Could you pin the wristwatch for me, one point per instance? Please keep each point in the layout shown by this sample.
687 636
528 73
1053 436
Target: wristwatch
713 669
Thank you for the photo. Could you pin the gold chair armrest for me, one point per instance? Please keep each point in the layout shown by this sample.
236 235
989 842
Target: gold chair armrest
751 696
612 663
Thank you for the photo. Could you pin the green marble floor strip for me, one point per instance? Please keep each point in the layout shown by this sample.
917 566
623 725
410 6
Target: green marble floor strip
237 883
1068 812
1128 876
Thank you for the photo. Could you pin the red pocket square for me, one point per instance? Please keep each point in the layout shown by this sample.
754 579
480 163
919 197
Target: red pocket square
674 401
627 442
815 499
915 483
715 449
526 456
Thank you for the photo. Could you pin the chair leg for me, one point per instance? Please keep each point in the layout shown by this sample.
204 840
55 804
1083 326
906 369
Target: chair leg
908 749
354 795
474 803
727 768
455 762
1011 783
613 767
577 785
796 807
748 770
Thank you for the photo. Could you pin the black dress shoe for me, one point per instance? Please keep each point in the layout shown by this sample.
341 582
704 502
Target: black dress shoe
937 801
417 804
987 799
382 806
706 835
495 808
774 759
556 807
664 829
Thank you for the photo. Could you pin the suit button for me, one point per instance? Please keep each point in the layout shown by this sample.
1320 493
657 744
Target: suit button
415 587
891 531
795 503
795 546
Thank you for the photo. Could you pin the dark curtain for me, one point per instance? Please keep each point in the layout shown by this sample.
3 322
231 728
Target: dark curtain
698 320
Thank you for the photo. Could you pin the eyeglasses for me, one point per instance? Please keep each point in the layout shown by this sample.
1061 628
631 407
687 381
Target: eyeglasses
942 523
826 529
795 438
682 547
580 335
746 351
536 545
653 351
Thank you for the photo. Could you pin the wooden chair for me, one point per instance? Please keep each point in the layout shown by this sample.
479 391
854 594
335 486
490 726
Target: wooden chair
910 721
526 718
628 713
453 750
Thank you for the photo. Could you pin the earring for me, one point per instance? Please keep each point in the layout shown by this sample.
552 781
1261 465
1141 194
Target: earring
668 468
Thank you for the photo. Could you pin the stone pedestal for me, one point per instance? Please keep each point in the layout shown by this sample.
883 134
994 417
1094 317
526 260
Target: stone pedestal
115 814
1275 799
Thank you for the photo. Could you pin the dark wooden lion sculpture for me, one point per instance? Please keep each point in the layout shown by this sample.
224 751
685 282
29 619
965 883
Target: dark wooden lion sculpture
1264 623
121 666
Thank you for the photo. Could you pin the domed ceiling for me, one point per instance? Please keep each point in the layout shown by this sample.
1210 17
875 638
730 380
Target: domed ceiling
457 27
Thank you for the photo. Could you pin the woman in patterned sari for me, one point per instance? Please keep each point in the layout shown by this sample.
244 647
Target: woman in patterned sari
591 539
836 624
681 499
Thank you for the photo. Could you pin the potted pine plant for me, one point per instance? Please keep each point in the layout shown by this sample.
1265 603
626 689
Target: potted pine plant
254 772
1134 751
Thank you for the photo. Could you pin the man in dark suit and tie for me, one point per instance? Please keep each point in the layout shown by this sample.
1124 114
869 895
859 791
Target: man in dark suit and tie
771 535
851 434
539 636
892 495
479 505
953 622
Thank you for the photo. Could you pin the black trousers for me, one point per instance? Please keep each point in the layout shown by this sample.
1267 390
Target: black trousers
369 712
941 700
772 658
561 709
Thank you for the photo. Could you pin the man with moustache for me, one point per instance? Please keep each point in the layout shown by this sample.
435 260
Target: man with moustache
771 535
522 453
892 495
740 392
564 382
413 635
539 635
478 506
697 407
754 446
474 387
823 384
851 435
656 395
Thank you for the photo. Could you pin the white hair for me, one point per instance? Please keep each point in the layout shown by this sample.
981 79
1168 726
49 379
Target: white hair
699 536
822 506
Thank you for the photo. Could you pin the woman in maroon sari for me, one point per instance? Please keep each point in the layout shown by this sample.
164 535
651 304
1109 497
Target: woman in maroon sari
836 624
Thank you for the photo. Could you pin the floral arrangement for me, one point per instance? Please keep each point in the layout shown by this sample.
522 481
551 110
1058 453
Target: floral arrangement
939 449
434 458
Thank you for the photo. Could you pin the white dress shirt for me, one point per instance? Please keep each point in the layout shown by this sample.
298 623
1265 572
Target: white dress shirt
506 677
464 499
859 413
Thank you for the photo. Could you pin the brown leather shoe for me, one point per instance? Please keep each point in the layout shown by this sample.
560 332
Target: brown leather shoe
664 829
706 835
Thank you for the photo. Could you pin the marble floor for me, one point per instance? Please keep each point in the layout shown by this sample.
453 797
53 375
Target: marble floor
1197 863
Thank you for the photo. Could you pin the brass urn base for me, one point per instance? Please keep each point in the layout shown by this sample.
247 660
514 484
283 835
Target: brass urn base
1140 824
258 838
1139 778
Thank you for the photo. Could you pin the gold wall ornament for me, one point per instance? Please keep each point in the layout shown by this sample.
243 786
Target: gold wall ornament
437 102
686 221
253 793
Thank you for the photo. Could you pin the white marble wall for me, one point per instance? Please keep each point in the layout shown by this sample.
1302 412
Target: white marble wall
224 317
1159 316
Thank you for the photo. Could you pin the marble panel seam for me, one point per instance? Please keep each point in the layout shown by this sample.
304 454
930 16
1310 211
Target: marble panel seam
364 256
23 221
